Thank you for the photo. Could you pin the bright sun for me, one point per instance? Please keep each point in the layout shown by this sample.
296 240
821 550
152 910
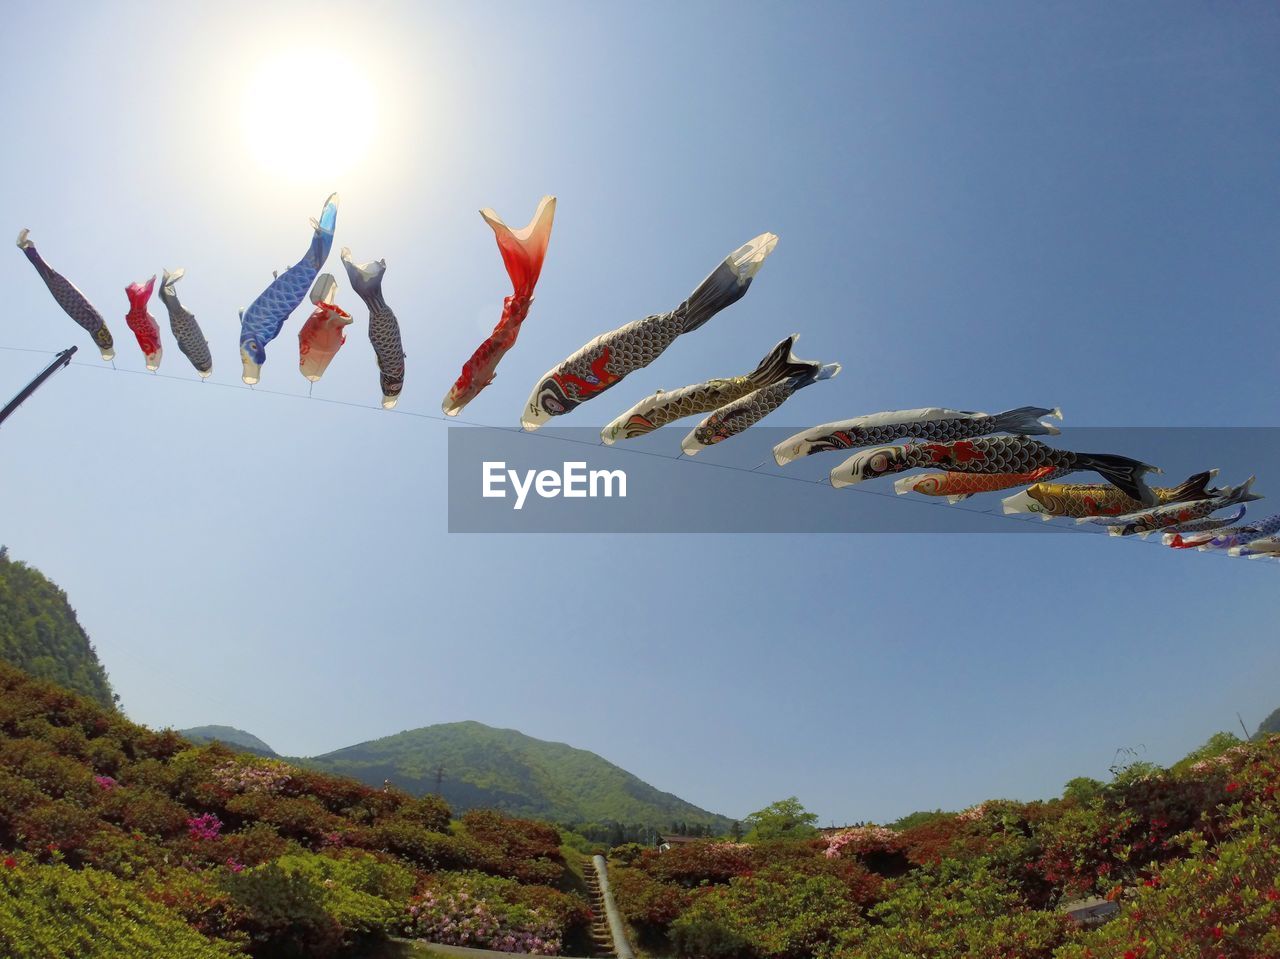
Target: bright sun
309 120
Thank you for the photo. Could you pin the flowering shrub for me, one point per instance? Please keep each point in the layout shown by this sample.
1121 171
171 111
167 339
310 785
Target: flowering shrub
484 912
205 827
516 848
694 863
647 903
259 776
880 848
864 839
1223 901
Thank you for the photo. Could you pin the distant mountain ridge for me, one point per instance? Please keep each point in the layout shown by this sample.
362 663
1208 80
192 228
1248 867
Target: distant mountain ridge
40 635
482 767
229 736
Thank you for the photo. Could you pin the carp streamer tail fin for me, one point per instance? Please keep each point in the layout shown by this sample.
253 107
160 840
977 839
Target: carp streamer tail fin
524 250
727 283
171 277
779 365
140 293
1026 421
1193 487
815 374
1122 472
365 278
322 242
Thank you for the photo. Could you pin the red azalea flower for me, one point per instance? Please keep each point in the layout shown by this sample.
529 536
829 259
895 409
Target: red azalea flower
10 862
1232 787
1217 932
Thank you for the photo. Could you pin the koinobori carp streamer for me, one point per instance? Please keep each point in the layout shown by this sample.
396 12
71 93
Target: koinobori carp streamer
522 253
1100 499
1266 546
1174 514
1196 526
187 332
144 326
932 423
73 302
325 330
262 321
606 360
732 419
994 454
960 486
1225 538
663 407
384 328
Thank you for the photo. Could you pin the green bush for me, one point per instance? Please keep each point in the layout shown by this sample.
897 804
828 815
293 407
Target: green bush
959 911
54 912
793 918
284 914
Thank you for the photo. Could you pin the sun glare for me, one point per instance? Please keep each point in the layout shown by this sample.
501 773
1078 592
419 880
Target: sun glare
309 115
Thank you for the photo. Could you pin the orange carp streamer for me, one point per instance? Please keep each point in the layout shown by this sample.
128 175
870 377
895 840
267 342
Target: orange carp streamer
522 253
325 330
958 486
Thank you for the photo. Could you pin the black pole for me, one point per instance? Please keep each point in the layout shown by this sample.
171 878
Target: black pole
61 360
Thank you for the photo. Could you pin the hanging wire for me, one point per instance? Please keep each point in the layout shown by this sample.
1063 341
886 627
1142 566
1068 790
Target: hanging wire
1086 530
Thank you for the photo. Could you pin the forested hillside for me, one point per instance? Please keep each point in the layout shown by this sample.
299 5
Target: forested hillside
39 633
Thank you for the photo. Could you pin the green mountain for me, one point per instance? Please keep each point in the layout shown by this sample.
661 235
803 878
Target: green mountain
39 633
237 739
1269 726
482 767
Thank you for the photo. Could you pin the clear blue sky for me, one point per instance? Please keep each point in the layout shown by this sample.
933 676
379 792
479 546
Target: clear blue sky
979 206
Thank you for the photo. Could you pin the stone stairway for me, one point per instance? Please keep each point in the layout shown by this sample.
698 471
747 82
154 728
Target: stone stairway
601 941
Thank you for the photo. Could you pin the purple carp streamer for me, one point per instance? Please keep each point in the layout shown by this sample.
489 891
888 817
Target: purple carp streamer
662 407
1175 514
994 454
606 360
191 339
72 301
1225 538
262 321
933 424
384 328
1201 525
742 414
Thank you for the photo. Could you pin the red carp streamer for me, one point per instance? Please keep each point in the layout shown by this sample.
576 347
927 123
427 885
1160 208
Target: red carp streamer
143 324
522 252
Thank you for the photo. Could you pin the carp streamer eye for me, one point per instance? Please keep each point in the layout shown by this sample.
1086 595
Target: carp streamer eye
879 463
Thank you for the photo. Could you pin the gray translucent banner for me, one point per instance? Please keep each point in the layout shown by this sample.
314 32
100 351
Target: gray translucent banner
735 487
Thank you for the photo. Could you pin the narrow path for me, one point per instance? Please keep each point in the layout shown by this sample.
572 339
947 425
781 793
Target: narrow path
601 941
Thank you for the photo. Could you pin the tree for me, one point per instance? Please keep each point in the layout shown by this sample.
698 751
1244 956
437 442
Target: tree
784 819
735 831
1082 789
